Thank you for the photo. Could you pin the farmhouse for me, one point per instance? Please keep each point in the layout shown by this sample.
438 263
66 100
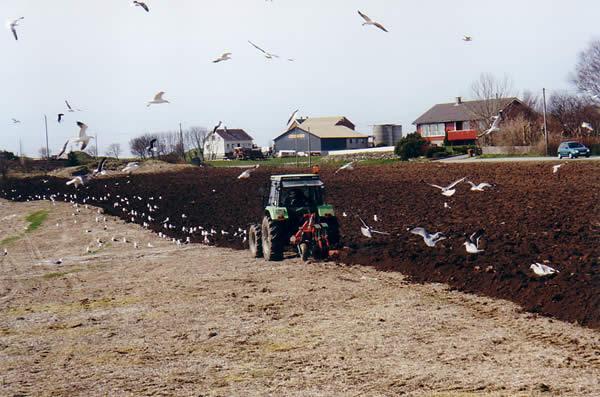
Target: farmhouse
325 133
460 121
224 141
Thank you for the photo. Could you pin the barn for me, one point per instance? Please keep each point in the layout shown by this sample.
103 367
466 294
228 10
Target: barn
320 134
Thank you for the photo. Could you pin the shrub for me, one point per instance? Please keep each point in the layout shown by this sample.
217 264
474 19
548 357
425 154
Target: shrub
411 146
436 152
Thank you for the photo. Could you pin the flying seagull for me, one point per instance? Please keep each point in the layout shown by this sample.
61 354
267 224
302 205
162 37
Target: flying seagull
158 99
495 125
12 25
225 57
100 168
430 239
141 4
369 21
472 243
214 131
587 126
246 174
555 168
449 190
130 167
480 187
60 116
152 147
83 139
15 121
79 181
368 231
542 270
292 117
467 38
70 109
63 150
349 167
268 55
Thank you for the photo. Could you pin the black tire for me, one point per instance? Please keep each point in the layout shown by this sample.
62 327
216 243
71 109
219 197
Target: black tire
333 232
272 239
571 156
255 241
304 251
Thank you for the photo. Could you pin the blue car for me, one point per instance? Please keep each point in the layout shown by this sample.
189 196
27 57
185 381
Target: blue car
572 150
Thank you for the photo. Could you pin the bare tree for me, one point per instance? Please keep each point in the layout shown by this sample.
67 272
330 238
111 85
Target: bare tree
195 138
92 150
491 96
43 152
114 150
570 112
587 71
533 101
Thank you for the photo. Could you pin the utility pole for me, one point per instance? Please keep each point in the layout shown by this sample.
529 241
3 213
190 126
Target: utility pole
181 142
47 146
545 120
20 148
296 149
309 153
96 139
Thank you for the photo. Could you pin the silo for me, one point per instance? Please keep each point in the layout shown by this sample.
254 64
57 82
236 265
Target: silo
396 134
383 134
377 134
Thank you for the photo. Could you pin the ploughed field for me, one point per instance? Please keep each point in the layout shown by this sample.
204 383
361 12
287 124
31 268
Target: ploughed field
530 215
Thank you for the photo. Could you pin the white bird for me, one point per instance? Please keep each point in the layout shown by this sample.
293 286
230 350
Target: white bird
369 21
542 270
158 99
214 131
246 174
131 167
5 252
349 167
151 148
267 54
12 26
430 239
449 190
446 205
586 125
83 138
467 38
375 218
555 168
344 214
141 4
480 187
70 109
150 245
100 168
368 231
225 57
78 181
472 243
15 121
292 117
495 125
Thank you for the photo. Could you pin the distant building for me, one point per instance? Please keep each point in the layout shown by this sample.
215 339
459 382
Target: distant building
458 122
386 134
221 144
326 134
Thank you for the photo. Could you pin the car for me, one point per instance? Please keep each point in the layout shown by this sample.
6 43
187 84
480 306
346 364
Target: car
572 150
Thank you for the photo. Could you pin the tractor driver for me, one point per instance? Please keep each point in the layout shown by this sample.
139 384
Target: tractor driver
296 198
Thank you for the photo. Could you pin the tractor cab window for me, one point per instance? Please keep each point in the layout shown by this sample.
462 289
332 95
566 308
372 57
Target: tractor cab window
302 194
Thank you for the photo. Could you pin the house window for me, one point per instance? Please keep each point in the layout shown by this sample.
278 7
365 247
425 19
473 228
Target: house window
350 140
459 126
433 129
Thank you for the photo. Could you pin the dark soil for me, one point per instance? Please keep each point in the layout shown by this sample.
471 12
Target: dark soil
530 215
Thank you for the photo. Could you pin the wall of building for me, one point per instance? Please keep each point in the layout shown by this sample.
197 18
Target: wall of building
297 139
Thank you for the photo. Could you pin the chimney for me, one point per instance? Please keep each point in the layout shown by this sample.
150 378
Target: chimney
458 101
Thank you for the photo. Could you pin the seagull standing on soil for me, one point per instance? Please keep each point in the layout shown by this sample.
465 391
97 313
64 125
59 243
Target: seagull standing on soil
542 270
449 190
368 231
225 57
158 99
83 139
130 167
246 174
495 125
369 21
141 4
480 187
349 167
267 54
12 26
430 239
472 243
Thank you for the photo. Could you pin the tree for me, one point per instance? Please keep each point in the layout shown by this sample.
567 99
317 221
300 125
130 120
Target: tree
571 111
114 150
587 71
92 150
195 138
138 145
490 93
411 146
43 152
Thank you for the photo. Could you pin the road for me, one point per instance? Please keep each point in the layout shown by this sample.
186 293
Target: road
466 159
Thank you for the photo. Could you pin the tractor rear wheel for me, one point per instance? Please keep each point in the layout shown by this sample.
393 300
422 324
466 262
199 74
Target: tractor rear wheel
304 251
255 241
272 239
333 232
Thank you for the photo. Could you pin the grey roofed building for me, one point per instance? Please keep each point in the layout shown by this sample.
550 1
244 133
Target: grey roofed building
234 135
326 134
461 110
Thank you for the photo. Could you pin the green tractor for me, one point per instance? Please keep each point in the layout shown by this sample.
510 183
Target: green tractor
295 215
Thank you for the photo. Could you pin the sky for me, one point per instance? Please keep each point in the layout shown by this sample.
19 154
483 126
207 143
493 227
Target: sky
109 58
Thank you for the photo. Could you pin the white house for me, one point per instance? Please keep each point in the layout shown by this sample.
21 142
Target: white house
222 143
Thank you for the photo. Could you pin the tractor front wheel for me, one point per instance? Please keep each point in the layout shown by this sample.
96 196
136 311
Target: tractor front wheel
272 239
255 241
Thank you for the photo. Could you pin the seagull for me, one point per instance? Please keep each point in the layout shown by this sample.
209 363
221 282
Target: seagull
246 174
467 38
368 231
152 147
349 167
70 109
78 181
472 243
542 270
495 125
555 168
12 25
130 167
100 168
586 125
60 116
225 57
480 187
82 138
446 205
141 4
430 239
268 55
5 253
15 121
158 99
216 128
449 190
292 117
369 21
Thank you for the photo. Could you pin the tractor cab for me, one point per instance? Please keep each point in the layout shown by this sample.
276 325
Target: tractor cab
295 213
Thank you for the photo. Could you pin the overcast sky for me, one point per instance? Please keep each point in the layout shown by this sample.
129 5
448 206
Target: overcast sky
109 58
